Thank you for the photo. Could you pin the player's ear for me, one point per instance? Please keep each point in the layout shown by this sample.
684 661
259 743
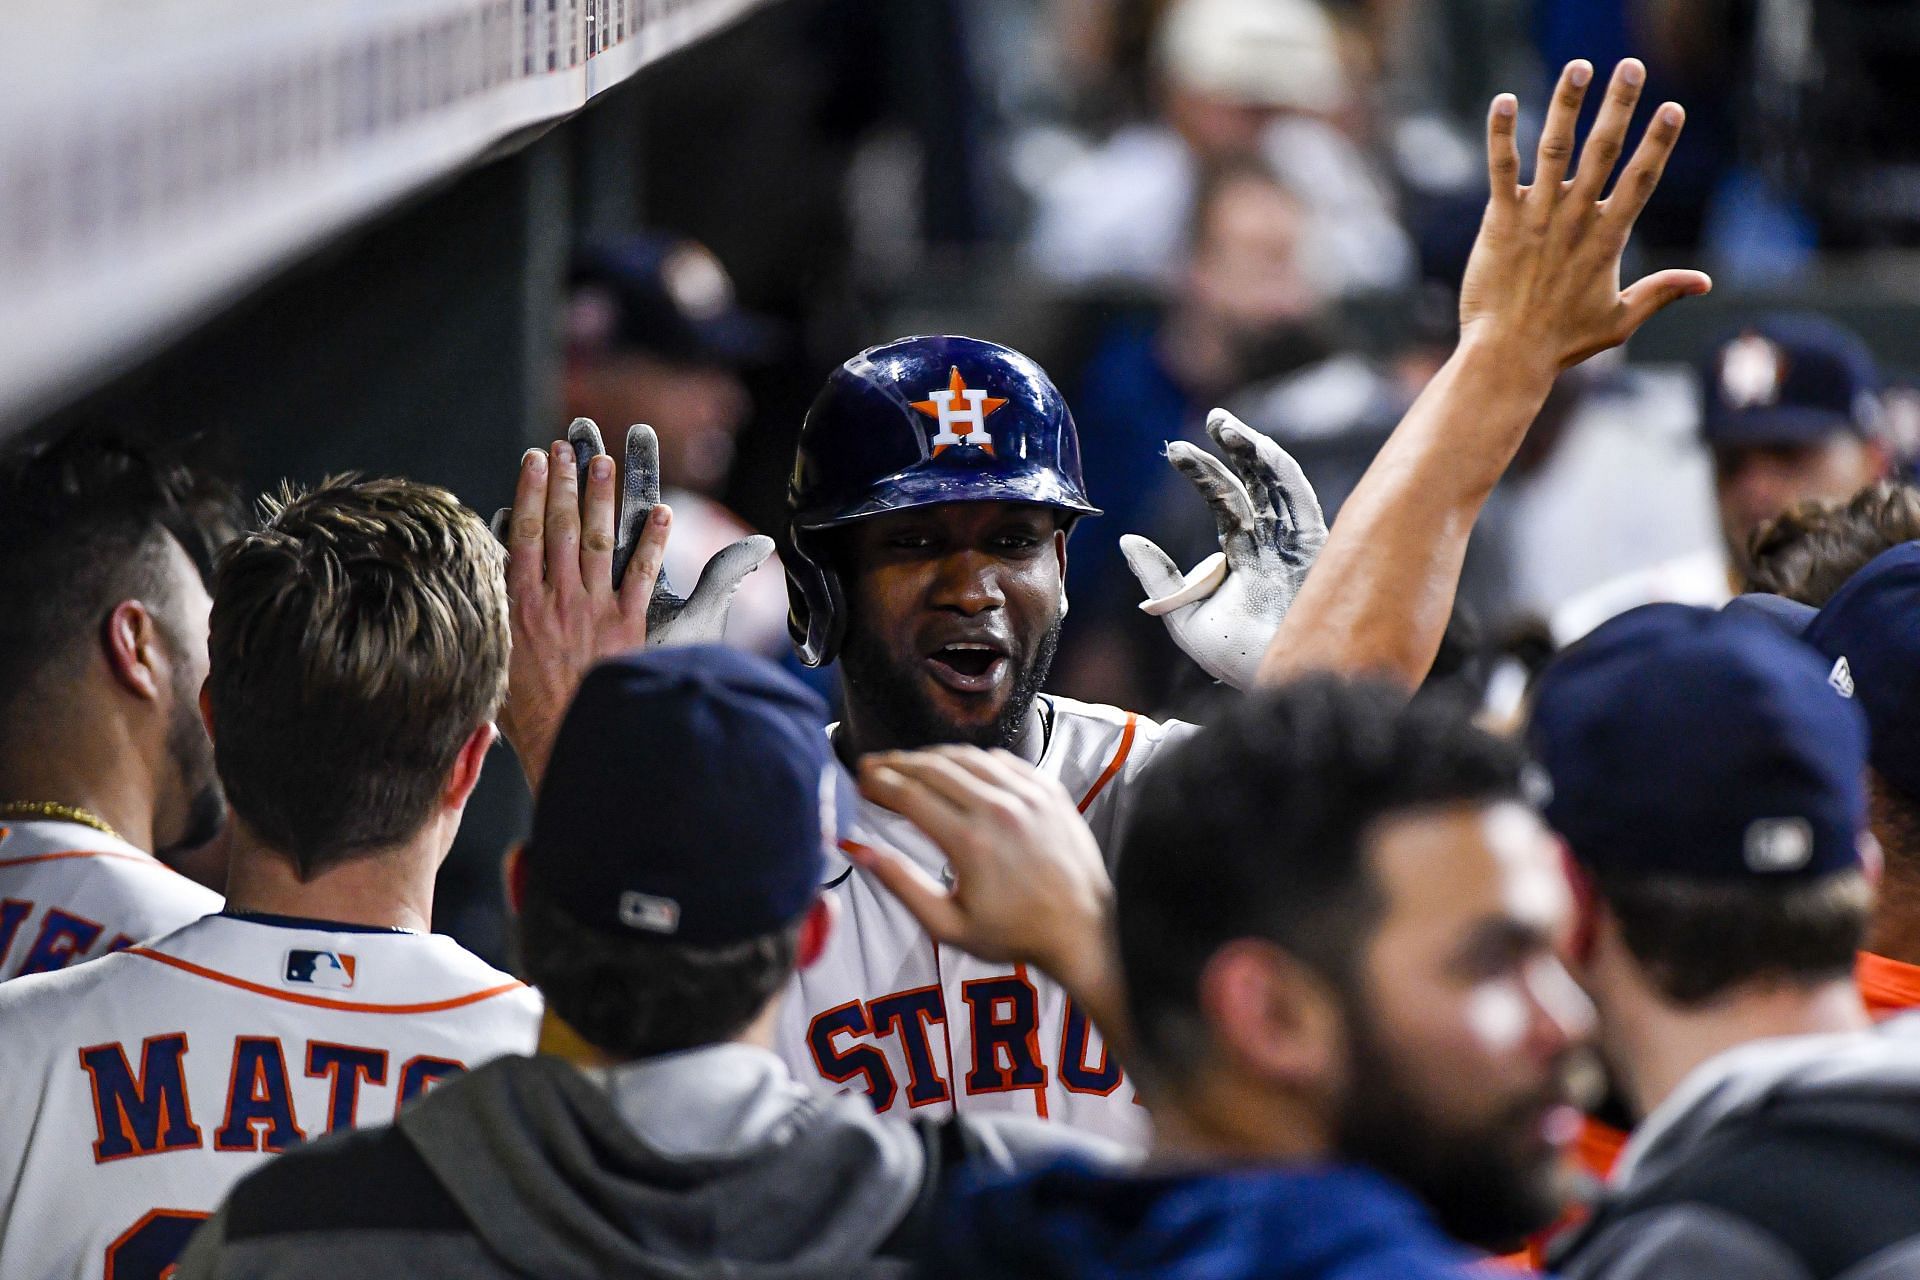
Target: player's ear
1271 1017
206 705
465 773
132 645
815 929
1586 909
513 872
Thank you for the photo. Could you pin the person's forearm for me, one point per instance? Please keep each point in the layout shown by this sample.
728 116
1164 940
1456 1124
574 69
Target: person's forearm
1379 596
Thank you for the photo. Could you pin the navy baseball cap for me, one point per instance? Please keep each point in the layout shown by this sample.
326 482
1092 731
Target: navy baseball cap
1693 743
663 295
1869 632
691 798
1789 379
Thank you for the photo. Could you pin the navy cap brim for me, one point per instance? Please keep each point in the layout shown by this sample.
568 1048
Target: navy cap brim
1789 616
1782 424
736 337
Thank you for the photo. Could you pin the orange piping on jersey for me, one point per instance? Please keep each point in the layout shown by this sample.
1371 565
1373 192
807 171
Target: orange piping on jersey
321 1002
848 846
142 859
1033 1036
1887 986
1114 765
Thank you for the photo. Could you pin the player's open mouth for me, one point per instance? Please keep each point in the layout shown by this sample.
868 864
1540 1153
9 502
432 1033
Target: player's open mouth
967 667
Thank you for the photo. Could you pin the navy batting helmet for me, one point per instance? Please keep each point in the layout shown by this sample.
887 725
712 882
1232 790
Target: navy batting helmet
911 423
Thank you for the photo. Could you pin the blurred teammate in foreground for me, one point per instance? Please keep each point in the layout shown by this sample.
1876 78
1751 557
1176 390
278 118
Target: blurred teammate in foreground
936 483
655 1133
106 551
358 653
1339 975
1709 781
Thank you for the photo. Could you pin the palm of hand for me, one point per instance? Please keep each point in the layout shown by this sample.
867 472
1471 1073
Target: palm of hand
1546 265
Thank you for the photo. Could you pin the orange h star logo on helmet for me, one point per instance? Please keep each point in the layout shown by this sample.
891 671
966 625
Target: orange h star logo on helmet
962 413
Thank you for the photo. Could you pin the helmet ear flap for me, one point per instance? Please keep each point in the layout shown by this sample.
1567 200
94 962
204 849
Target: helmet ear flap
816 605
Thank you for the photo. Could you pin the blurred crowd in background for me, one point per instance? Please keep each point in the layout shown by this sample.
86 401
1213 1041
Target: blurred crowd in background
1264 205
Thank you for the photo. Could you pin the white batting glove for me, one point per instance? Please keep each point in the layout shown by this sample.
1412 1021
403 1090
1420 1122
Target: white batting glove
700 618
1224 611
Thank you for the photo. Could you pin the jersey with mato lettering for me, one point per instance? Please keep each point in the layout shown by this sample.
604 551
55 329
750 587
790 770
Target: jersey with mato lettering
70 893
930 1029
136 1089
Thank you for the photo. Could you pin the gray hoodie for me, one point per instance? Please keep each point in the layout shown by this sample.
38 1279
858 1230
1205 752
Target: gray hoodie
1795 1158
713 1162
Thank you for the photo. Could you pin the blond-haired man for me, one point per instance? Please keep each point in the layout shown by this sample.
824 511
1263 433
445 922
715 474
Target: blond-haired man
358 656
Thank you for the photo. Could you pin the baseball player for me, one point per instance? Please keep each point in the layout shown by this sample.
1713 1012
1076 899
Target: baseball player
103 641
935 486
358 647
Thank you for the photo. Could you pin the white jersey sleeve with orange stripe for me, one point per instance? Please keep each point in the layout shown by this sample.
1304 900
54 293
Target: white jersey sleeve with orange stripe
920 1027
70 893
138 1088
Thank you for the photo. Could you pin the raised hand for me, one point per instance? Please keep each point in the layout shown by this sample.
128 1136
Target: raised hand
700 618
1029 884
1224 611
566 614
1543 281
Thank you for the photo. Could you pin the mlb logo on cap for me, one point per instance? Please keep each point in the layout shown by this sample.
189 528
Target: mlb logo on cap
647 911
330 969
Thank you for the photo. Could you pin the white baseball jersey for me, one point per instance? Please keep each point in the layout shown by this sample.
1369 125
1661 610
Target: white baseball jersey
920 1027
70 893
137 1089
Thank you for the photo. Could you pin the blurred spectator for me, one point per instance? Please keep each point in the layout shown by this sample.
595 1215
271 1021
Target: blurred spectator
1234 77
1792 414
1345 1006
1612 478
1709 784
1806 554
654 1133
1702 53
1244 309
654 335
1249 328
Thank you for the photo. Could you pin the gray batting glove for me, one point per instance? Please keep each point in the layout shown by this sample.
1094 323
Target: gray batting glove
1225 610
700 618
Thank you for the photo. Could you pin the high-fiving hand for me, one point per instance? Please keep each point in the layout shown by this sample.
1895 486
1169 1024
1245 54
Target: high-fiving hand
585 578
1224 612
1029 885
1544 277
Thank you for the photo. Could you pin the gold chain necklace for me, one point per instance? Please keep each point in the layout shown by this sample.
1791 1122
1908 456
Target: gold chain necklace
56 812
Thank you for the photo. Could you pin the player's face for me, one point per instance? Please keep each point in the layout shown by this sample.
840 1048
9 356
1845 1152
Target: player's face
1466 1025
953 614
191 808
1755 483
